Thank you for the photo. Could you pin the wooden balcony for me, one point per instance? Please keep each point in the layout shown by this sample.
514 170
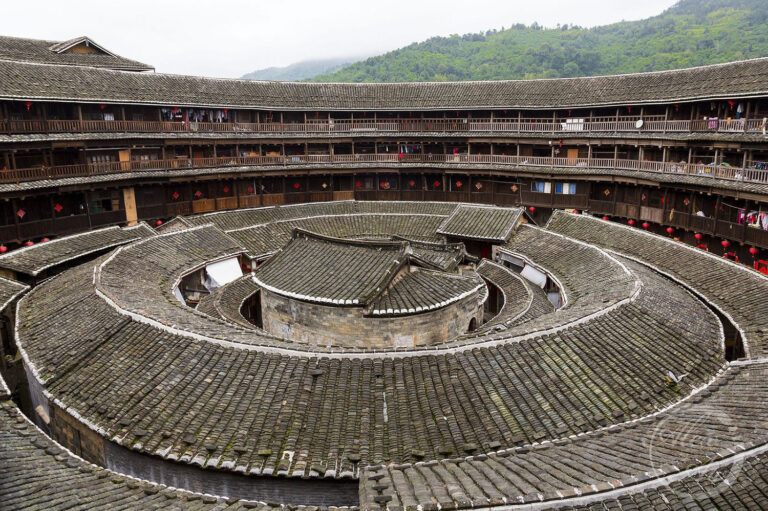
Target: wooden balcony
562 125
524 162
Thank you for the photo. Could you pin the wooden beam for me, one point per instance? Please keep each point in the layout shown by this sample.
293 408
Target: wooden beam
129 201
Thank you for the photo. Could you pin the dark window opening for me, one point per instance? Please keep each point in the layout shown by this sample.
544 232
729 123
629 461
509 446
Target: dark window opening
251 309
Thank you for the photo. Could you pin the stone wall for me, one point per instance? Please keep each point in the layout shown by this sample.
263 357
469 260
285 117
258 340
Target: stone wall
76 436
314 324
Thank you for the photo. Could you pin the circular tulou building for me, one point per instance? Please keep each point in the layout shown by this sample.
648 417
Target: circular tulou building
221 294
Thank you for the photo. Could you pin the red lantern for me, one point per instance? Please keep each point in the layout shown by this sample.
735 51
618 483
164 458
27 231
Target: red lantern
698 236
28 104
358 184
646 225
296 186
670 230
3 249
44 240
226 189
575 211
250 189
102 106
725 243
437 184
198 194
29 244
753 251
606 218
531 209
175 195
411 183
631 223
159 223
58 207
458 184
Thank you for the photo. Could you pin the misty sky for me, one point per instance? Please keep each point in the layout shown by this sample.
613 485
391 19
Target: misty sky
228 38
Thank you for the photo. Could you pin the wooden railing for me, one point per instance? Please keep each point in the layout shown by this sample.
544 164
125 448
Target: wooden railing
498 125
90 169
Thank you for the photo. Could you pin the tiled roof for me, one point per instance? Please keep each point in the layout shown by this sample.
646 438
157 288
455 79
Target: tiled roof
54 52
225 302
559 406
522 301
728 418
242 218
38 258
425 290
328 409
178 223
331 270
9 291
481 222
735 289
39 474
74 83
440 256
268 238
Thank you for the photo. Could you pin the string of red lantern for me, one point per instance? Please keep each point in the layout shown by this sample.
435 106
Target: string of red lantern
646 225
631 223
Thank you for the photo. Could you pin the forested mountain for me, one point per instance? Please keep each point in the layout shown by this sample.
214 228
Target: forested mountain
300 70
691 33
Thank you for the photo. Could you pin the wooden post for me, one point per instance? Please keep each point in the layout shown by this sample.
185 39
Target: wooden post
16 218
717 214
129 201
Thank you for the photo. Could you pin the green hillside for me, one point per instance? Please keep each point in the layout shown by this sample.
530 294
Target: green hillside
691 33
